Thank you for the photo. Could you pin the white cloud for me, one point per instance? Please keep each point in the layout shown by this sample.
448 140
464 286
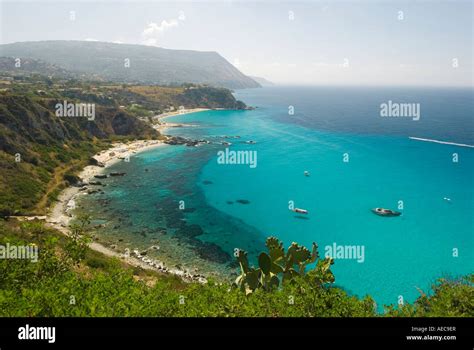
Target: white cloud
153 32
91 39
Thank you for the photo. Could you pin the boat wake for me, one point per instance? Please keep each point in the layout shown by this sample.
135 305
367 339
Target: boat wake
441 142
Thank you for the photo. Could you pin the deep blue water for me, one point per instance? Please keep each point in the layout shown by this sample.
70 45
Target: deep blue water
237 206
446 114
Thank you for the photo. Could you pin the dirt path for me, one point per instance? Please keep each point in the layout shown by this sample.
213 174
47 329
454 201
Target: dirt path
53 185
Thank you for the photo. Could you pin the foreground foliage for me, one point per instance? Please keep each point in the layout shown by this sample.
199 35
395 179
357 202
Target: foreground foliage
71 280
290 265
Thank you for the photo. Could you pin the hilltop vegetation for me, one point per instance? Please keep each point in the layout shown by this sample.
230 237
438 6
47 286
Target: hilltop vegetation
132 63
190 95
31 67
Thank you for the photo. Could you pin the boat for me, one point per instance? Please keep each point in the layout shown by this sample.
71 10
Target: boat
300 211
306 173
385 212
252 142
116 173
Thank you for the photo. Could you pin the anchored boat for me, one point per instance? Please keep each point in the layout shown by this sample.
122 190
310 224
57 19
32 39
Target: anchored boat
300 211
385 212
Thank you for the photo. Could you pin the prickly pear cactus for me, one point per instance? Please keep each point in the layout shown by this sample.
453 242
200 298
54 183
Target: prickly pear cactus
289 265
243 261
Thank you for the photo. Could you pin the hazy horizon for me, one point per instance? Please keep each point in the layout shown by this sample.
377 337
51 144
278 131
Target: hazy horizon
357 43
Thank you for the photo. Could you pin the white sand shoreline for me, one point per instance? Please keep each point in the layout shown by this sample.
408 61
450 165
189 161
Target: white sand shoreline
181 112
119 151
162 126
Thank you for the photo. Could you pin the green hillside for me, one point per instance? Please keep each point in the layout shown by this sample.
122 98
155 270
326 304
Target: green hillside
49 148
147 65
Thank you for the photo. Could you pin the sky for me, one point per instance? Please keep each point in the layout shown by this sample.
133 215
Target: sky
369 42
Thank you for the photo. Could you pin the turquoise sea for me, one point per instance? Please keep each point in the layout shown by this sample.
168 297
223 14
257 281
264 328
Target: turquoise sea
228 206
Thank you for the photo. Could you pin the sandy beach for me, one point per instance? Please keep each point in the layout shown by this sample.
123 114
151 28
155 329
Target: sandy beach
181 112
161 126
59 215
